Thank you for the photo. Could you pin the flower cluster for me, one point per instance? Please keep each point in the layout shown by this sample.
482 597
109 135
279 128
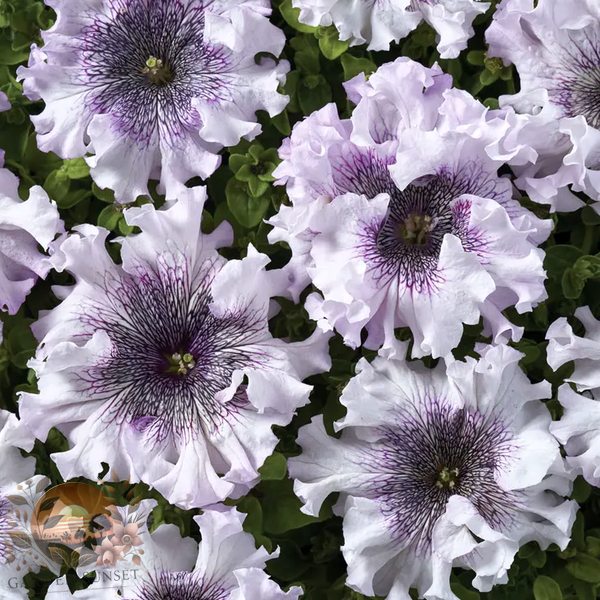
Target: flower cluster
249 351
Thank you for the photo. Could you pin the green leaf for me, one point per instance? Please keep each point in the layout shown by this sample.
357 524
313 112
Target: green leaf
462 592
105 195
281 508
572 283
57 185
578 533
124 228
559 258
487 77
545 588
592 546
292 83
476 58
248 211
282 123
291 15
76 168
73 198
585 568
257 187
274 468
581 490
330 43
21 344
589 216
13 140
313 97
353 66
530 349
307 56
585 591
109 217
537 559
588 267
254 518
237 161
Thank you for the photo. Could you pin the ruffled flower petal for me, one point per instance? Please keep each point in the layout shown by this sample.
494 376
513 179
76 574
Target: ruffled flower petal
437 468
24 225
380 22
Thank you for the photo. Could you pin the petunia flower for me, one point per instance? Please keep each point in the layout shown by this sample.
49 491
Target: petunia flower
437 468
153 88
579 427
164 366
23 225
554 46
225 566
400 218
379 22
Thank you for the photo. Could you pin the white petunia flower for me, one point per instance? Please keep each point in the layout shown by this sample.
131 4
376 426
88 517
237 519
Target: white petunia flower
555 48
23 225
153 88
164 366
399 216
225 566
453 466
579 427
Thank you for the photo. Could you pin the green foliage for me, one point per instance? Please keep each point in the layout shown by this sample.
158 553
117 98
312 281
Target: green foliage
545 588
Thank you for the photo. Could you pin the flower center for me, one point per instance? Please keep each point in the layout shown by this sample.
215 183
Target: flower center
180 363
415 229
157 71
447 478
258 169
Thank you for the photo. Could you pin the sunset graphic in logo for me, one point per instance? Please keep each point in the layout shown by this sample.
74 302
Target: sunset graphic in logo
71 520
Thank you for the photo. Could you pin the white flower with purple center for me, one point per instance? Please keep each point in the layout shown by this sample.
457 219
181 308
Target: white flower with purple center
555 48
453 466
225 566
153 88
164 366
579 427
23 225
379 22
400 219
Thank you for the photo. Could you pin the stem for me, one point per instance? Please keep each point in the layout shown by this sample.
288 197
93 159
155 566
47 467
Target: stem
588 238
510 84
